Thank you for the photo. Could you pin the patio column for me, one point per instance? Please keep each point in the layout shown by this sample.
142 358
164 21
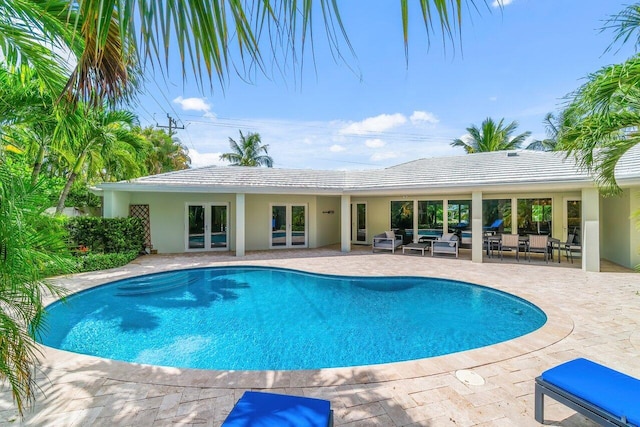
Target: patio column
476 226
445 216
345 223
240 215
590 229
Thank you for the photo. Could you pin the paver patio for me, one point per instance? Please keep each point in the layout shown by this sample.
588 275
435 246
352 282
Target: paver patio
593 315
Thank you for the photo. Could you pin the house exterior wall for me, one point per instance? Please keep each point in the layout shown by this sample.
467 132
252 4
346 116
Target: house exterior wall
327 224
167 216
620 238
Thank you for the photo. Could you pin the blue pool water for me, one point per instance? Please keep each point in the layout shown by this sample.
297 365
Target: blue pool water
259 318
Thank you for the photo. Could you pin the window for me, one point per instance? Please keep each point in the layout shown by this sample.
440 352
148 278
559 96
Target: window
430 216
493 210
534 216
459 214
402 218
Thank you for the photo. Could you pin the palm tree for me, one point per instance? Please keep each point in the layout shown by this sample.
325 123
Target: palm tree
552 125
491 136
248 152
29 240
102 142
112 41
166 153
605 111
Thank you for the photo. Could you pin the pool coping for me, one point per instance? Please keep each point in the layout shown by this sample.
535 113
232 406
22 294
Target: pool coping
558 326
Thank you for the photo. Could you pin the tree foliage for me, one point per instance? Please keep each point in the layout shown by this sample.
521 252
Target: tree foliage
249 152
491 136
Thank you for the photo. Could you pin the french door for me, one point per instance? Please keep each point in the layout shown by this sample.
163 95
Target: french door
207 226
359 223
572 220
288 226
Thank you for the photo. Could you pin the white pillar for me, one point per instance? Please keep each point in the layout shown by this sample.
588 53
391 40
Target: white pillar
345 223
416 213
590 229
476 226
514 215
445 216
240 224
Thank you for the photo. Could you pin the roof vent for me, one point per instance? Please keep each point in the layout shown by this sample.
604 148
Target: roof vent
512 154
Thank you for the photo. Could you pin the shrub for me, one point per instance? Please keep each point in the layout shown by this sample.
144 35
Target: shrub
92 262
107 235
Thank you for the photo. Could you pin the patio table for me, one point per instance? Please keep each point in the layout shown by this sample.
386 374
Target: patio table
418 246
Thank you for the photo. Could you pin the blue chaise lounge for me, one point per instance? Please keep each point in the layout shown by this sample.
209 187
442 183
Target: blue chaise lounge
602 394
261 409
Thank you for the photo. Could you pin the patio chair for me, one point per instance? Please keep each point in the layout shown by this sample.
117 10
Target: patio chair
270 409
538 244
571 246
606 396
510 242
447 244
386 241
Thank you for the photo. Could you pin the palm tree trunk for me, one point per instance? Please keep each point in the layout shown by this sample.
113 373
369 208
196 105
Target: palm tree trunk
65 192
37 166
72 178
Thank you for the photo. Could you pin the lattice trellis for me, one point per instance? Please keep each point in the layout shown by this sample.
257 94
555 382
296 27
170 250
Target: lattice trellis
142 211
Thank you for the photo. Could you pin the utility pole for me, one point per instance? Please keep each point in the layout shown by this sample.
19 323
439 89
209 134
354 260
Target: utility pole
172 125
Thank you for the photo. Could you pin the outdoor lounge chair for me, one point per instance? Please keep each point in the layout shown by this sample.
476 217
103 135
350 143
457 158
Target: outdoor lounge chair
386 241
571 246
447 244
608 397
279 410
494 227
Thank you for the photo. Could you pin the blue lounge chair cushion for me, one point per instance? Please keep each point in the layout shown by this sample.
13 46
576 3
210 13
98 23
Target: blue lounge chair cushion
613 391
258 409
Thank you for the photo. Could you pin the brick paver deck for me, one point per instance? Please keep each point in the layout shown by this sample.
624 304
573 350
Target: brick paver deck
593 315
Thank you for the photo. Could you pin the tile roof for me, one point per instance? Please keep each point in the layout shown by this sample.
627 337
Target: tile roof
481 171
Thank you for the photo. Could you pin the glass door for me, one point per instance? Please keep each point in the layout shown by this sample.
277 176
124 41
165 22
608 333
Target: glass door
207 226
359 223
572 221
288 226
195 227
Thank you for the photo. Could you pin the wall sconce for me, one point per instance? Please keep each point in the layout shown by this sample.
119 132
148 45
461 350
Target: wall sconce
329 212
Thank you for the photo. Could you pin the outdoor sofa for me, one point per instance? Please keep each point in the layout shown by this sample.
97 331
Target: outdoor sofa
388 241
447 244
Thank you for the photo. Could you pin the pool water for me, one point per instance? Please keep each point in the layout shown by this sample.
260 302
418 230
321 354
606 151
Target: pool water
258 318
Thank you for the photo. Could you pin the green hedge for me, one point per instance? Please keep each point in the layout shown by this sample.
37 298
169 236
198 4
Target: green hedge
107 235
93 262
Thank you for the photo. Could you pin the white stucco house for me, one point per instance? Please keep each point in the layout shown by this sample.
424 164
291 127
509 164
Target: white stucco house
242 208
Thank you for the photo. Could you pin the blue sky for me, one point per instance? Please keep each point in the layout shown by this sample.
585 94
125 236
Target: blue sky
373 111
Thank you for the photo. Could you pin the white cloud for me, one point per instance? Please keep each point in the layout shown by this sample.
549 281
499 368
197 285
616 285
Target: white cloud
493 98
377 157
195 104
335 148
374 143
205 159
423 116
380 123
499 3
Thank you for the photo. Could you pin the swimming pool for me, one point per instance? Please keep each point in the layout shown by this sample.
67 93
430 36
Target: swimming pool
258 318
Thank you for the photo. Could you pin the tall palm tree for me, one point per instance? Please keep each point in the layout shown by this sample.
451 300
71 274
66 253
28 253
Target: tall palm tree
552 125
491 136
248 152
111 41
101 142
605 111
